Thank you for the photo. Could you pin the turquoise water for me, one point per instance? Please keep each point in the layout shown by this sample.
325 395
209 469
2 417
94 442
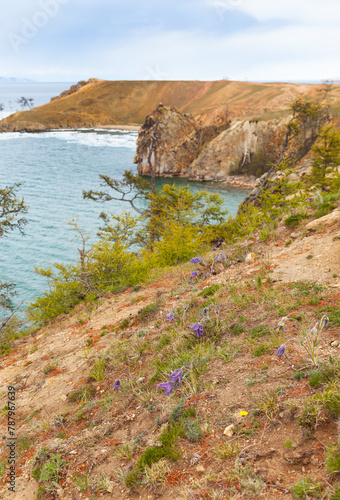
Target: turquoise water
54 167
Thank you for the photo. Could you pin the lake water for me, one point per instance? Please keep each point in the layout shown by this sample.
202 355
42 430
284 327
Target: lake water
54 167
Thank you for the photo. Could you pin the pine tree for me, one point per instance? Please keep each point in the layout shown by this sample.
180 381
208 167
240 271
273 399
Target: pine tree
326 158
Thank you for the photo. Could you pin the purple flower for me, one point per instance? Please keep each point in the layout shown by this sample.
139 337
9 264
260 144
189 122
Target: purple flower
194 274
195 260
175 380
324 322
167 386
176 376
214 249
117 385
281 350
310 200
171 317
198 329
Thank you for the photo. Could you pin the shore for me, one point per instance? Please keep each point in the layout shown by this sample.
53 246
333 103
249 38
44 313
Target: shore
120 127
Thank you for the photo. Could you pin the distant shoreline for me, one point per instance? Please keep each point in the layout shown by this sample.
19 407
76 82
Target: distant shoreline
120 127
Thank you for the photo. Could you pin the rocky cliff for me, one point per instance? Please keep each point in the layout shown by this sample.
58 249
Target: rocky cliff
175 145
186 148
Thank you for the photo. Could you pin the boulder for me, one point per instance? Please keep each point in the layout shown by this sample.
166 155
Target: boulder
326 220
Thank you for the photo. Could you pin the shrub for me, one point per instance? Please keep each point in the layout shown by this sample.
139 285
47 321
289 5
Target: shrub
294 220
156 473
108 267
312 414
178 243
333 459
267 403
98 370
306 488
237 329
192 430
262 349
82 394
209 291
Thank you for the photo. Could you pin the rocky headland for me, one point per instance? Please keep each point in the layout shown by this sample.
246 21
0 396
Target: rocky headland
209 131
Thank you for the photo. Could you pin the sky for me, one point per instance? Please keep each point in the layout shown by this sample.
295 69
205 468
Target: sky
255 40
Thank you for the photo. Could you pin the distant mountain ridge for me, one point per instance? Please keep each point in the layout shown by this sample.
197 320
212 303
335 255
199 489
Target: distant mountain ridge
12 79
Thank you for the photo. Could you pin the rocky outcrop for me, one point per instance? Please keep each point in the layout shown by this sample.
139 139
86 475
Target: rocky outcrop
176 146
74 88
185 148
326 220
233 150
22 127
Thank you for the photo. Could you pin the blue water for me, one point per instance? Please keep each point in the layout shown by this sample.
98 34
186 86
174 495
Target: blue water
54 167
41 93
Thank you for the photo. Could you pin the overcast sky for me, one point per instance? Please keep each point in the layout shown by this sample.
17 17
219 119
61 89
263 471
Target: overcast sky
262 40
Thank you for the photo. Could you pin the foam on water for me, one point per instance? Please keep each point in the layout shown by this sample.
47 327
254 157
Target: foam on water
91 138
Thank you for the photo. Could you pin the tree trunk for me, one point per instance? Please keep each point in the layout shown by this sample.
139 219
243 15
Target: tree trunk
154 138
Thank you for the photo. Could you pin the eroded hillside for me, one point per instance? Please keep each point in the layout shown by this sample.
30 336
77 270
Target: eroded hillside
243 423
109 103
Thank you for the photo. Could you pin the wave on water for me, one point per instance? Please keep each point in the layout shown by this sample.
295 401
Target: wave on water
84 137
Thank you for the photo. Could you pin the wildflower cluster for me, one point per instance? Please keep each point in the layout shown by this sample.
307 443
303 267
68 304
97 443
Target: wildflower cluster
310 341
197 328
175 381
220 257
195 260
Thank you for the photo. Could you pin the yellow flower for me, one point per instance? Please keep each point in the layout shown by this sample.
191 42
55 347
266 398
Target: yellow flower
243 413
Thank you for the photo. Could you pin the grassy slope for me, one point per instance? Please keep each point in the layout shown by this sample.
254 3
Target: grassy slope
128 102
98 431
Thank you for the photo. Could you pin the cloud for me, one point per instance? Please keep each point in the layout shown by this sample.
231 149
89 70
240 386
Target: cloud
301 11
202 39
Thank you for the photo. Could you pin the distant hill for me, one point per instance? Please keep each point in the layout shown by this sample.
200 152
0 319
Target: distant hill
14 80
110 103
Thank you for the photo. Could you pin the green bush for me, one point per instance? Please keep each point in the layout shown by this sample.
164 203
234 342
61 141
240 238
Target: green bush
108 267
333 459
209 291
294 220
306 488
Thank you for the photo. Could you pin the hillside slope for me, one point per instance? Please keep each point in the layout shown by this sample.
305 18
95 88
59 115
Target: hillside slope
243 428
109 103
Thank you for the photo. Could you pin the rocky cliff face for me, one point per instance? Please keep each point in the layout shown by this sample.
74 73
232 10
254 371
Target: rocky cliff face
184 148
175 148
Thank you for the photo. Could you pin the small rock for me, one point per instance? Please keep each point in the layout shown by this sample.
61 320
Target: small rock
294 235
229 431
200 468
335 343
250 257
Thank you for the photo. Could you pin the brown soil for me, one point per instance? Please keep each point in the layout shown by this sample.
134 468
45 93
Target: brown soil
88 442
108 103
